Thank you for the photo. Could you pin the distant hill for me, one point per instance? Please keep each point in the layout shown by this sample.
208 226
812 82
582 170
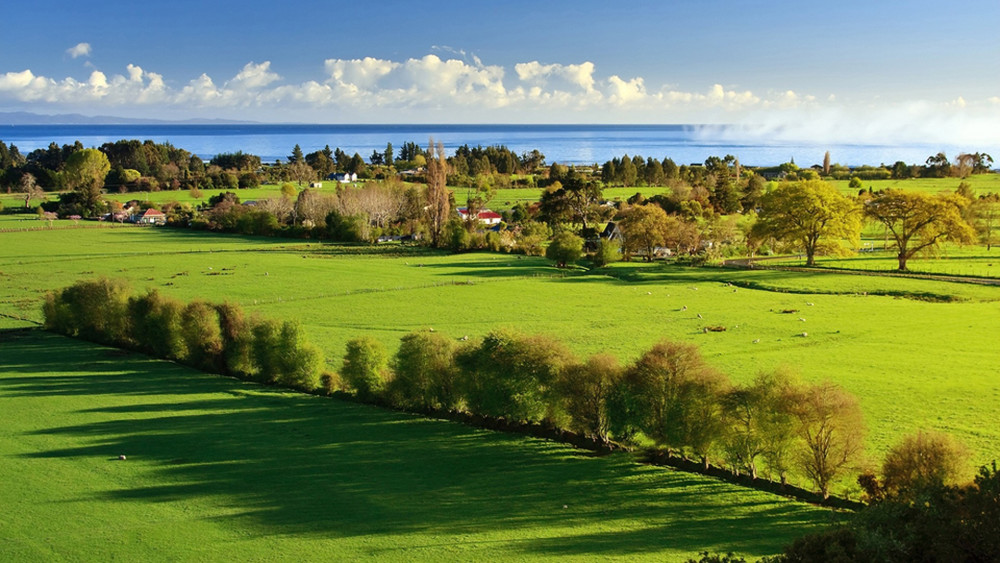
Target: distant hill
27 118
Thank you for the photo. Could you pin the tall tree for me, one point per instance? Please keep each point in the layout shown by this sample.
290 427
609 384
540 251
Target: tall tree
831 426
296 155
810 215
85 172
919 222
438 198
644 227
987 214
677 398
760 423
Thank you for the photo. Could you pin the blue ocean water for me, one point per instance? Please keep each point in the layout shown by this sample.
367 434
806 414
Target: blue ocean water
568 144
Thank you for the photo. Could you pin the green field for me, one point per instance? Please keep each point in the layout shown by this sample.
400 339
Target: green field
918 353
981 183
219 469
954 261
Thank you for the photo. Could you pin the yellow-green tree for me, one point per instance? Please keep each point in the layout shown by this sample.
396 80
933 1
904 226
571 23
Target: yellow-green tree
811 216
920 222
85 172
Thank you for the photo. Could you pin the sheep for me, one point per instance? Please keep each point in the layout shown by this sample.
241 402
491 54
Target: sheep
804 334
700 317
809 304
756 341
801 319
121 457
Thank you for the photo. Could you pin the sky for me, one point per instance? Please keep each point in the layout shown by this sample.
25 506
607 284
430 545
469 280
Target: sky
867 69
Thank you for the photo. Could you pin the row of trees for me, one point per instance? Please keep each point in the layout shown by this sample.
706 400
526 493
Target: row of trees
815 217
211 337
669 395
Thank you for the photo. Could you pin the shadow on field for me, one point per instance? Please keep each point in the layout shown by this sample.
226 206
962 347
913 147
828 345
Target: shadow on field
287 463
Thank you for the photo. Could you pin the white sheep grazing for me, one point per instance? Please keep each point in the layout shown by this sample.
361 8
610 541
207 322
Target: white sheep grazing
700 317
756 341
809 304
804 334
121 457
801 319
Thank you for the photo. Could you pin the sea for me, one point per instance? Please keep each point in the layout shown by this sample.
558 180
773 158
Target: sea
565 144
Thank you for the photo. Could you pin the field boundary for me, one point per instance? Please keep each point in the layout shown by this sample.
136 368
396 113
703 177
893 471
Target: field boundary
752 264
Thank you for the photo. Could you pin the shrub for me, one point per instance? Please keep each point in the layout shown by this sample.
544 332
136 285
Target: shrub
365 367
512 375
95 310
425 372
156 325
202 336
922 461
608 251
564 249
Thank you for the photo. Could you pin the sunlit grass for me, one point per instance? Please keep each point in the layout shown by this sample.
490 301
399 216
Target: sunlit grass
218 469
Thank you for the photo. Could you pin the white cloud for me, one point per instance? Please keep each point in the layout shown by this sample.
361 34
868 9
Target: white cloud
254 76
79 50
432 88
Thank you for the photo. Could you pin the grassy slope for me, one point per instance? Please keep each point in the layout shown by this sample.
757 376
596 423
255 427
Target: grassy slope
220 469
914 364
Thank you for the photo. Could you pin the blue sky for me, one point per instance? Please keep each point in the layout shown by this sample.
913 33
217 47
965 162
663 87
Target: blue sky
834 69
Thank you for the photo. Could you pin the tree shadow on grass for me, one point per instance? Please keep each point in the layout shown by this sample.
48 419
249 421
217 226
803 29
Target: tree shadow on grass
285 463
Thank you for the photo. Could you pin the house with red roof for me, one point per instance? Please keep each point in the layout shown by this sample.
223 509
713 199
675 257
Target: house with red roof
485 216
152 217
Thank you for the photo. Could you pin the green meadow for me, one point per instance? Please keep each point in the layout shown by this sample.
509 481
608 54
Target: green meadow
218 469
918 353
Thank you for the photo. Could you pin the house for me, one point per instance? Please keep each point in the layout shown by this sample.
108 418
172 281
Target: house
315 184
152 217
485 216
612 232
343 177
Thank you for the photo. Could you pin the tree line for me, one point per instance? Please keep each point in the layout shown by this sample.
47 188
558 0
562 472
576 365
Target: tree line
919 507
669 396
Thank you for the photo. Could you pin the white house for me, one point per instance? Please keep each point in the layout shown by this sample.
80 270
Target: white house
152 217
485 216
344 177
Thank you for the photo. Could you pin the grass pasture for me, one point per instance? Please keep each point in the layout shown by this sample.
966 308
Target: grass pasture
918 353
219 469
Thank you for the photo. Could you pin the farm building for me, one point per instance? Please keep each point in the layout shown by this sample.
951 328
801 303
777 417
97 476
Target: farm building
343 177
152 217
485 216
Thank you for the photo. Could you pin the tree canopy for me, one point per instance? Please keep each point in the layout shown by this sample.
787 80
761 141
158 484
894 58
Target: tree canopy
811 215
919 222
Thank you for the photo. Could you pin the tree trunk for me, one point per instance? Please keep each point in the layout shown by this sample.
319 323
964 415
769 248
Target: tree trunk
810 256
902 261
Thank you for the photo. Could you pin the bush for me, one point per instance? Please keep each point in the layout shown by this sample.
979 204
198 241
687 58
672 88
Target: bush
608 251
424 372
202 337
95 310
156 325
365 367
512 375
564 249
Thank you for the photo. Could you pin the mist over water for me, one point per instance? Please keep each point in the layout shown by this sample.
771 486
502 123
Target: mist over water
758 145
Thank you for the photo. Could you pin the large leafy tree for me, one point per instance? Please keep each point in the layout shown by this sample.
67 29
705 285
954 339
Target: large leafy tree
920 222
811 215
644 227
85 172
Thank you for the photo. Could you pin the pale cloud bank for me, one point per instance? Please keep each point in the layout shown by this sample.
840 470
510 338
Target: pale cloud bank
431 89
79 50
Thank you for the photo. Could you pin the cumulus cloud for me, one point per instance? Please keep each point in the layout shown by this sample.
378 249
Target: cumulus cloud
79 50
448 89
